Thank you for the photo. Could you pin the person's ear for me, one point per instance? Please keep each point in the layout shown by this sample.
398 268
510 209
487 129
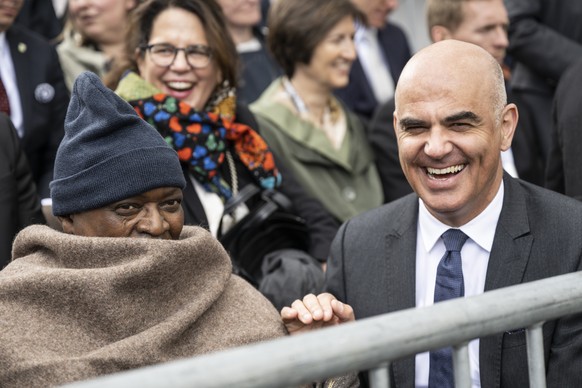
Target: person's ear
509 118
438 33
67 224
130 4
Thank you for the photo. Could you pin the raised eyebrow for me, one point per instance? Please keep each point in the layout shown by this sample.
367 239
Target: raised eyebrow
462 116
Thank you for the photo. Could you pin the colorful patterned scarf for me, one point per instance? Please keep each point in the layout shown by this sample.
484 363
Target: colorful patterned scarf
200 138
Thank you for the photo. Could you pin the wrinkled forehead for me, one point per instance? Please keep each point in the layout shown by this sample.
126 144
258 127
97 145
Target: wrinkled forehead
453 76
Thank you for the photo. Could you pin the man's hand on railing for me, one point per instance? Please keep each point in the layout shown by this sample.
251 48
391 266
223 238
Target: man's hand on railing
314 312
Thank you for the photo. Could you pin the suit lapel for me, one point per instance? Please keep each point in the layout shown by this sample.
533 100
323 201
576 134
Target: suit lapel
509 257
400 254
21 70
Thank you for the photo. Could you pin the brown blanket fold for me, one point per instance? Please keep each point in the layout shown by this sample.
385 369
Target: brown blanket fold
72 308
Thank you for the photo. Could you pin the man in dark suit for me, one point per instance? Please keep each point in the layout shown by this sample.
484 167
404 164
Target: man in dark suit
19 201
451 127
481 22
382 48
32 75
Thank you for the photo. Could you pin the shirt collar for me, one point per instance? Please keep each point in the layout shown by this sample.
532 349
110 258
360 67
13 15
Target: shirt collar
364 33
479 229
3 42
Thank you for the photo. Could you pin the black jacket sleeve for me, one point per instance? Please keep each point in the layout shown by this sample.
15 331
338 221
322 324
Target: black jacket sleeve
19 201
383 141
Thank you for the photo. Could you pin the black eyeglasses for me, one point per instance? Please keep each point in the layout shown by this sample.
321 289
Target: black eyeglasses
163 54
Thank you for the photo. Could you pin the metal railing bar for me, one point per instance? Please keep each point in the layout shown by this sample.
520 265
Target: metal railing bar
461 365
366 343
380 377
535 356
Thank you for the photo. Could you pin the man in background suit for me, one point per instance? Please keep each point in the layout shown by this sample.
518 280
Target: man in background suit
383 51
451 127
37 94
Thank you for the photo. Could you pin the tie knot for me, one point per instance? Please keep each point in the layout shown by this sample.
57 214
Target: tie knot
454 239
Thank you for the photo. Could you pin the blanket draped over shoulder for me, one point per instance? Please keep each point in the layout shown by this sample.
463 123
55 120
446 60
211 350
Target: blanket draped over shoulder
72 308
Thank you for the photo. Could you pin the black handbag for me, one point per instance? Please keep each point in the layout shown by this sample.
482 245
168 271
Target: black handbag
269 226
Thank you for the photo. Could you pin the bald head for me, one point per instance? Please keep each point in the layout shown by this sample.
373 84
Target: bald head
452 122
450 65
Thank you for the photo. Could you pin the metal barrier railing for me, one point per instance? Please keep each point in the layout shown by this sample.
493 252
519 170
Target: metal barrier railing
370 344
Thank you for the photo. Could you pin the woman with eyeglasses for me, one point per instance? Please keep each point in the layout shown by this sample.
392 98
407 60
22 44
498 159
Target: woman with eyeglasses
319 139
180 76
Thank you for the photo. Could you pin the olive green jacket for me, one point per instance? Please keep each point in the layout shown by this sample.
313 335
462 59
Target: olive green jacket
345 181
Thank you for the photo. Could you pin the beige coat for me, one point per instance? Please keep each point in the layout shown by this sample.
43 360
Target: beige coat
72 307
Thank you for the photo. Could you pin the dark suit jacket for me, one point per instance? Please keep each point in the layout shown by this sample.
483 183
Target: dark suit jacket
44 98
40 16
545 38
358 94
564 170
19 201
372 268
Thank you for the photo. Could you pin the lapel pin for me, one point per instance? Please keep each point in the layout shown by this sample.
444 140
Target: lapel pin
22 47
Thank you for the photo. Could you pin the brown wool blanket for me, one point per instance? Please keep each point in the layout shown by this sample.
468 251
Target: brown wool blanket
72 308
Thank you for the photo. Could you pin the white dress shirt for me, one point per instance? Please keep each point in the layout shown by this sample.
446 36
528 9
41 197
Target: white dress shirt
8 76
375 66
430 248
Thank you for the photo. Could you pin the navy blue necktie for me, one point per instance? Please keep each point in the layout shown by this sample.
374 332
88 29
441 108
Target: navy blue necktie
449 284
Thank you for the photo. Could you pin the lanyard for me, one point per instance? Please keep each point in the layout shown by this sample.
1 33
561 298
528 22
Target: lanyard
297 101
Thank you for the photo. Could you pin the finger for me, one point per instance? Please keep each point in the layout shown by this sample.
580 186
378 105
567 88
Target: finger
303 313
311 302
325 301
288 314
343 311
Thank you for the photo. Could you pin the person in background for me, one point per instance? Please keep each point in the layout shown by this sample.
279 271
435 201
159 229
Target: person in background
19 200
383 50
180 74
257 68
545 38
320 139
468 228
564 170
32 93
93 36
126 284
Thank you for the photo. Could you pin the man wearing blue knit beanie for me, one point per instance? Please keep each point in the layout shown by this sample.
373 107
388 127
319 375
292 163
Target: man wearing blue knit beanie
95 300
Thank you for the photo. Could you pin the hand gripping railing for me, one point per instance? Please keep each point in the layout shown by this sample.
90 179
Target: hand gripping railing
371 343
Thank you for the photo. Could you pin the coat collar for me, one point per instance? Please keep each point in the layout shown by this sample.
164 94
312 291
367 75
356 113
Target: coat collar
316 146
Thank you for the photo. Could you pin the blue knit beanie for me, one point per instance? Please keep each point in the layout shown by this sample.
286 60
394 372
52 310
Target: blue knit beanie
108 152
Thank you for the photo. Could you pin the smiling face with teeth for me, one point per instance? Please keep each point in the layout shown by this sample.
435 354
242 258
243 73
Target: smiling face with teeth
332 58
451 127
180 28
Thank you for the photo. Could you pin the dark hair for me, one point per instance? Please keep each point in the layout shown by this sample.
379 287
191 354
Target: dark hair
296 27
224 52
